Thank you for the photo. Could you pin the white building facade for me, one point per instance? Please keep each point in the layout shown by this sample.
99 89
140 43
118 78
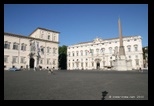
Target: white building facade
40 48
100 54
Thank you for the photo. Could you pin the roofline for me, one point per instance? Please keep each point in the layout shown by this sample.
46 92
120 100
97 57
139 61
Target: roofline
44 29
28 37
122 37
104 40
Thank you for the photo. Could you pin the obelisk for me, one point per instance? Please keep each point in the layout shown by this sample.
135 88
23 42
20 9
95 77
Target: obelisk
120 63
121 47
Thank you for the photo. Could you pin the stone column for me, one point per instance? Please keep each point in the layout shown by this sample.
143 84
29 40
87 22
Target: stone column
121 48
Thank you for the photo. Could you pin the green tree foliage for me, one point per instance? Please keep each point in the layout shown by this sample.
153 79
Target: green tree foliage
62 57
145 51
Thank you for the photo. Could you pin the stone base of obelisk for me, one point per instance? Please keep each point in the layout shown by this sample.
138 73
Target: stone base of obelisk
120 64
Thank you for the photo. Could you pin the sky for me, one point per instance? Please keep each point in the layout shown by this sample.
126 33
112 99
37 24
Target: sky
78 22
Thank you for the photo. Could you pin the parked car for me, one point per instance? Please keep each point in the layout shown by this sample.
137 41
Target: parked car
14 69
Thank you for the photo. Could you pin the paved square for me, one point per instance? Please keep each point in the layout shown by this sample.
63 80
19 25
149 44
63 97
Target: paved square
75 85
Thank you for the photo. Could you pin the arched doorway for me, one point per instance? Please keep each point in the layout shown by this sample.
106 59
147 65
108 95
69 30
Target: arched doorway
97 65
31 62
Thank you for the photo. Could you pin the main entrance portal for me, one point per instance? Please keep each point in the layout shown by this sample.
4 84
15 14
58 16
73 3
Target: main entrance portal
31 63
97 65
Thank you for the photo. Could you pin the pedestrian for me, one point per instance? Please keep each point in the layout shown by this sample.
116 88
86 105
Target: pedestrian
51 70
140 69
48 70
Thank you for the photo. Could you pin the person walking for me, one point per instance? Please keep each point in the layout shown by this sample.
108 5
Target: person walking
51 70
48 70
140 69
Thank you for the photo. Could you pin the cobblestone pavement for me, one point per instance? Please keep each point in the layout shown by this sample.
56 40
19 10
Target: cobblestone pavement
75 85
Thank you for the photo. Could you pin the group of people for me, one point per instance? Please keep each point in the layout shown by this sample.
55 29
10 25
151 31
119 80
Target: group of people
50 70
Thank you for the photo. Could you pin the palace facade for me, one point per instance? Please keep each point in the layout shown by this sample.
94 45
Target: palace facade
40 48
101 53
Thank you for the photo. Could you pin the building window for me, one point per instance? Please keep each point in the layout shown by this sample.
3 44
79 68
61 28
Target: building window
48 61
136 56
86 65
81 64
22 60
103 50
23 47
73 64
77 53
128 40
68 53
7 45
81 53
42 50
136 47
134 39
110 50
6 59
109 42
137 61
73 53
130 57
77 65
116 50
41 61
48 49
48 37
54 50
54 62
54 38
15 46
129 48
92 64
14 59
97 50
86 52
102 43
115 41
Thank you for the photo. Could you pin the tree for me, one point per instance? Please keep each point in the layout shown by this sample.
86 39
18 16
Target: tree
145 51
62 57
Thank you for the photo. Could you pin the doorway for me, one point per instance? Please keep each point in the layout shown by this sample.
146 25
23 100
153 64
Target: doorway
97 65
31 62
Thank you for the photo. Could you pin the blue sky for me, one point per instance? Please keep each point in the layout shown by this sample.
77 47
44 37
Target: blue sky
78 22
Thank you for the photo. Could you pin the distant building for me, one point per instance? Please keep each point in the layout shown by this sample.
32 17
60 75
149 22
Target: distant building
40 48
100 53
